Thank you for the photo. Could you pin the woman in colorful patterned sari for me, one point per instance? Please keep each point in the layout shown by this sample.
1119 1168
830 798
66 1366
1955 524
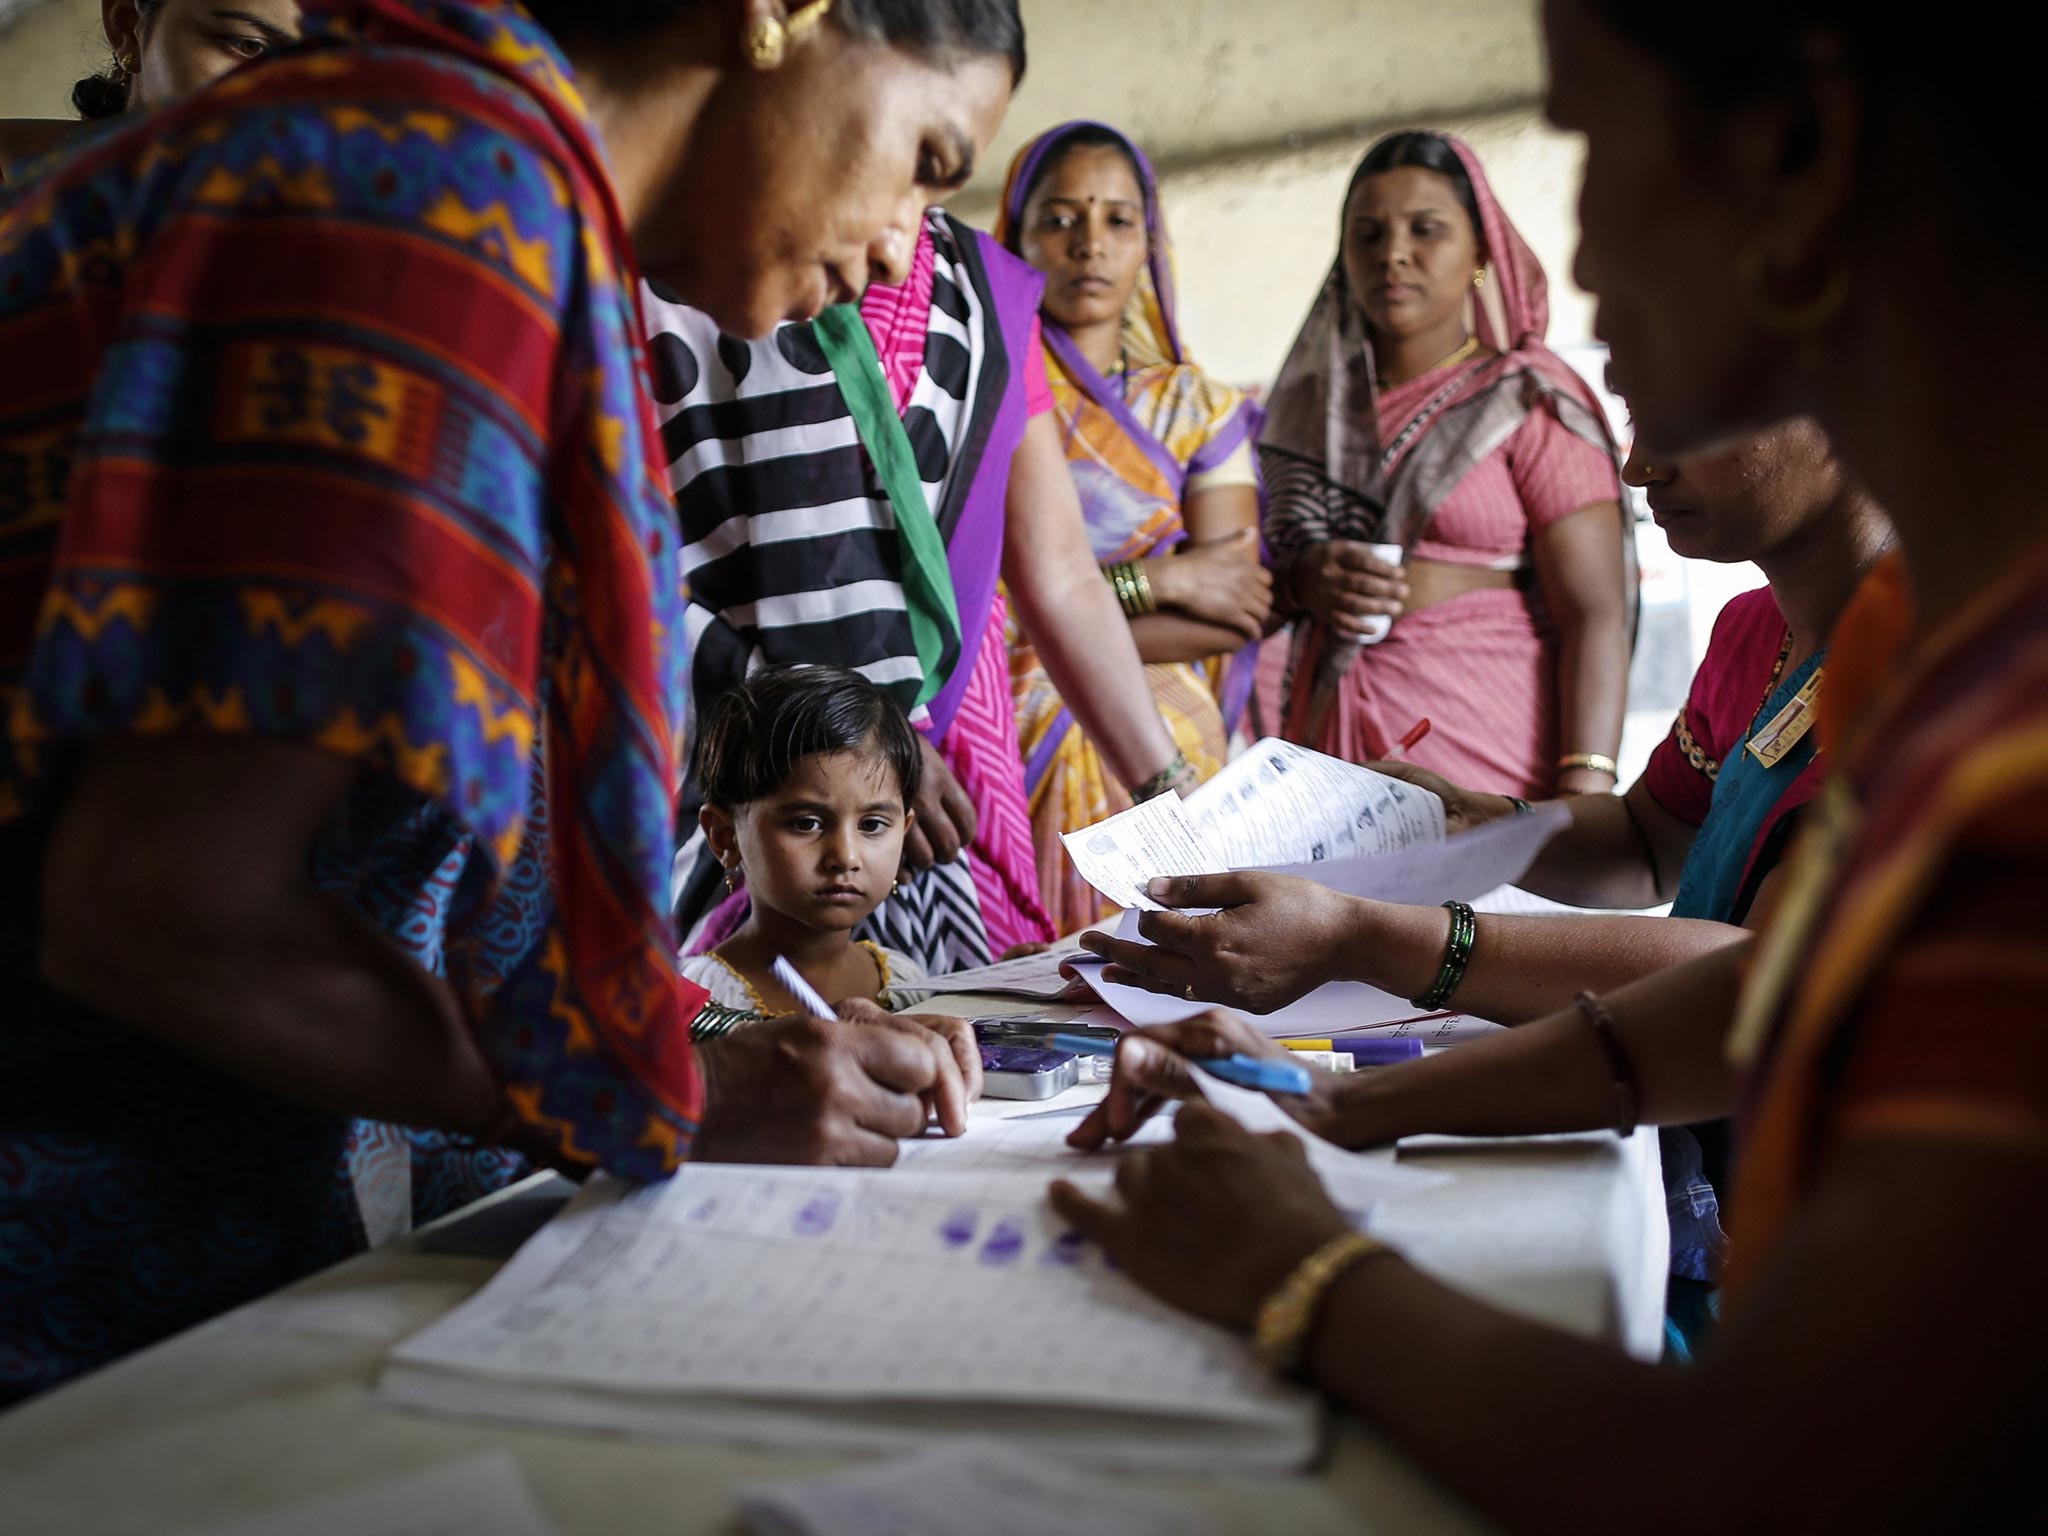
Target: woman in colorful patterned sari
1779 196
257 766
400 1176
1420 410
792 462
1162 457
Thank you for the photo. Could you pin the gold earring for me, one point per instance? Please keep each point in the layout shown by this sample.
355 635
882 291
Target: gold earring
127 63
732 878
768 39
1802 318
1479 277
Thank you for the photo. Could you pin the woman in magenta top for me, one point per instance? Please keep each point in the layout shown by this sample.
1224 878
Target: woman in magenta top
1420 409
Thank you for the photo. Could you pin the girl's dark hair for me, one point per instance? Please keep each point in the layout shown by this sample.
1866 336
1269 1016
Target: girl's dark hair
754 736
940 32
1088 136
105 95
1423 151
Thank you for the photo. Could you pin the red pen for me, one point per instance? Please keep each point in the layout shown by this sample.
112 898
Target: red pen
1415 733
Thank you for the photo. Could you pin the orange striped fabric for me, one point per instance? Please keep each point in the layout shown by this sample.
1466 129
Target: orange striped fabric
1921 1003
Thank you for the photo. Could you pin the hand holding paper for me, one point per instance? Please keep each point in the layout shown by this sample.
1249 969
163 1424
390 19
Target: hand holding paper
1120 855
1260 941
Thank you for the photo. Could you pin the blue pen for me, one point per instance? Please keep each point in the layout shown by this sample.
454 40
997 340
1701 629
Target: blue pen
1245 1071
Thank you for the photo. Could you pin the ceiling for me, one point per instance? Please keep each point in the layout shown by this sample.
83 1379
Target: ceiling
1196 80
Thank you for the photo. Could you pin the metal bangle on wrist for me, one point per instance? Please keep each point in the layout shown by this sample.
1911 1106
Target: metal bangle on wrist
1133 587
1166 778
1457 956
1590 762
1281 1328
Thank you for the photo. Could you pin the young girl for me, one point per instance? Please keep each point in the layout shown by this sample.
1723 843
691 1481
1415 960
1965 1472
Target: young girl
809 774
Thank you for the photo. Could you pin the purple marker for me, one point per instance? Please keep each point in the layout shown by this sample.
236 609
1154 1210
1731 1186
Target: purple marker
1364 1053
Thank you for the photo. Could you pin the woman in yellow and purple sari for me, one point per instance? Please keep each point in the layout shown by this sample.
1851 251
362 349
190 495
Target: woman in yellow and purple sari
1162 457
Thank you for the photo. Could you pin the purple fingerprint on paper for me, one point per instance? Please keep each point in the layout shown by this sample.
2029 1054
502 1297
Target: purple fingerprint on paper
1066 1249
703 1210
957 1230
1004 1243
817 1216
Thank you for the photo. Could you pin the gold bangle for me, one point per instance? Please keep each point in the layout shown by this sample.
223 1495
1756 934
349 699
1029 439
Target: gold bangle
1592 762
1280 1331
1133 586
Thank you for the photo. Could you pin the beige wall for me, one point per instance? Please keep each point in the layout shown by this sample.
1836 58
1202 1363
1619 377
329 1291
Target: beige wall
43 53
1254 237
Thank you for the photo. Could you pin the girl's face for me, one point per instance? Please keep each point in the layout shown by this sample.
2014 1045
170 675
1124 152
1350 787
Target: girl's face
823 850
181 45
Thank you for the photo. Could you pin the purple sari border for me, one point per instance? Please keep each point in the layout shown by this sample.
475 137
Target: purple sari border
1041 761
1092 383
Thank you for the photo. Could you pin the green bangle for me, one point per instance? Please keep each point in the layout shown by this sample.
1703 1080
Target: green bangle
1522 807
1163 780
1457 955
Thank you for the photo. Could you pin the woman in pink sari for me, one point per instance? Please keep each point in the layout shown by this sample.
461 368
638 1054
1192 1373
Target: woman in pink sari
1420 412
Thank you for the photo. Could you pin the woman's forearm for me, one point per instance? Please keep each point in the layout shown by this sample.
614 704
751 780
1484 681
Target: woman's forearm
1071 615
1592 691
1085 642
1165 637
1539 1428
1553 1076
1600 860
1522 967
176 898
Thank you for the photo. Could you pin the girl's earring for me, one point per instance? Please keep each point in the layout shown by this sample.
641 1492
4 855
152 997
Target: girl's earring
732 877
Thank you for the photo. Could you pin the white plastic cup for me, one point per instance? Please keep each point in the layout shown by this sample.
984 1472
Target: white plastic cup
1377 625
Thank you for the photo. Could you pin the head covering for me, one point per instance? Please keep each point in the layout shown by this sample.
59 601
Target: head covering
1197 424
1334 470
1151 333
1133 442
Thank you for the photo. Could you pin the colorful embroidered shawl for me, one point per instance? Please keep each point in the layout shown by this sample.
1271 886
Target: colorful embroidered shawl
366 460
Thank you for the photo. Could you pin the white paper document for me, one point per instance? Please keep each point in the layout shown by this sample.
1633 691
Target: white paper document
1120 855
484 1496
850 1309
1034 1143
1461 868
1357 1181
1278 803
874 1308
1338 1008
1036 976
990 1488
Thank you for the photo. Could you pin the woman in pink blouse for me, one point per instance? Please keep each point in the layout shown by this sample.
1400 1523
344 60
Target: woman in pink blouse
1445 513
